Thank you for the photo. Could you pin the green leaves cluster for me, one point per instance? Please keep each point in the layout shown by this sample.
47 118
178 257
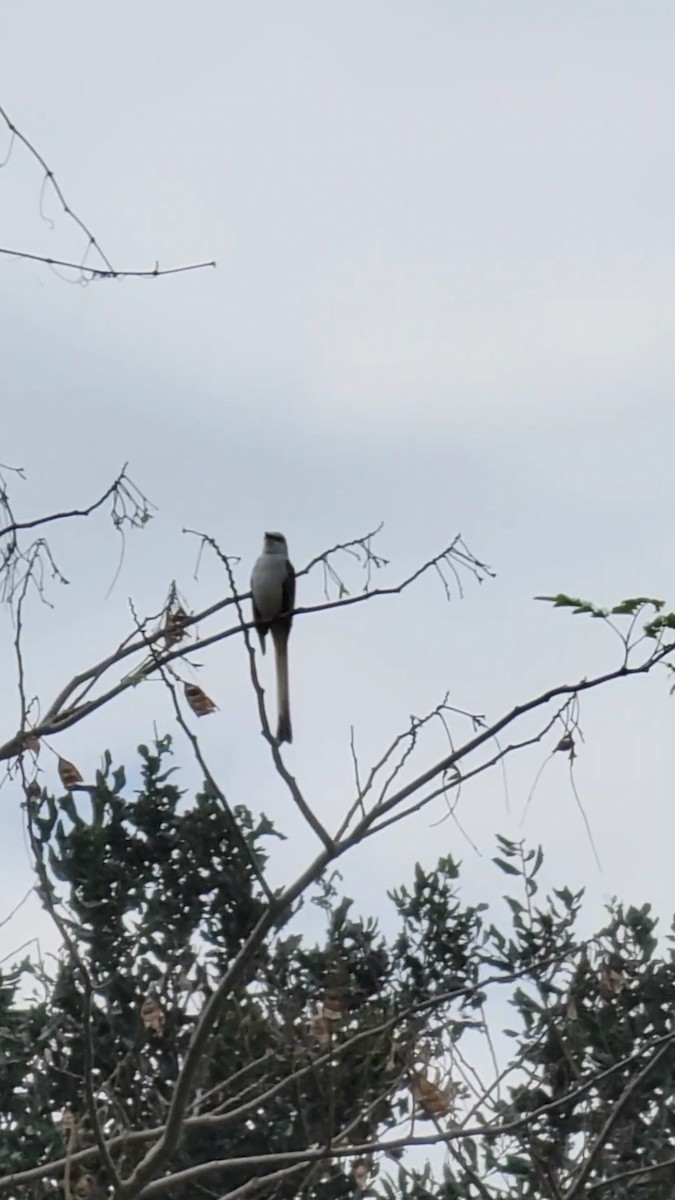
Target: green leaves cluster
635 608
158 891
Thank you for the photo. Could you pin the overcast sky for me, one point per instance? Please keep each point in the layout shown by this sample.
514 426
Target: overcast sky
443 300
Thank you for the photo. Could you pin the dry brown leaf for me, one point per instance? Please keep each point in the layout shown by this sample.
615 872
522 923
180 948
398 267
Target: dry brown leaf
32 743
68 773
199 702
432 1099
152 1014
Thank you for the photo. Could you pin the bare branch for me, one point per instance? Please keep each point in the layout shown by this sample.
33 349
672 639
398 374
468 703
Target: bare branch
121 487
58 718
88 1078
108 271
515 714
460 778
88 274
665 1164
129 508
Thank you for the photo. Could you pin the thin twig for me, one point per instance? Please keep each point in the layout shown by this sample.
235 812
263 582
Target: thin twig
88 1080
66 514
103 273
107 271
58 718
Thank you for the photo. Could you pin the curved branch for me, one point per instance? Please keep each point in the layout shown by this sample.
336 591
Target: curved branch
108 271
17 526
451 760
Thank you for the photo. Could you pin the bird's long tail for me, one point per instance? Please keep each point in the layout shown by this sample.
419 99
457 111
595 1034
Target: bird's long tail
284 731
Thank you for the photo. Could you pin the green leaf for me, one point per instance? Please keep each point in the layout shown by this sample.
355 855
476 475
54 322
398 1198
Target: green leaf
67 803
56 865
578 606
515 1164
628 608
507 867
560 600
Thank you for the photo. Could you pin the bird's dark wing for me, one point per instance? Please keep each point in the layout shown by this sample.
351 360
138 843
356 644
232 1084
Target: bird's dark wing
288 596
260 625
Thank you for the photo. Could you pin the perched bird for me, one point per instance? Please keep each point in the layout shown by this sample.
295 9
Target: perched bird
273 592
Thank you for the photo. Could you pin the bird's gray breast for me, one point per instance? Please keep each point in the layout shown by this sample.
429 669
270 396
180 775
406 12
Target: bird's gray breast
267 583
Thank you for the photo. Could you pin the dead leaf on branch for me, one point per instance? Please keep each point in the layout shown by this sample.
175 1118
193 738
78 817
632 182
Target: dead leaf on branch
433 1100
201 704
68 773
152 1014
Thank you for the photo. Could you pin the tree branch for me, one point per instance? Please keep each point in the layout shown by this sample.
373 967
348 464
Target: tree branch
615 1113
57 719
108 271
520 710
90 273
17 526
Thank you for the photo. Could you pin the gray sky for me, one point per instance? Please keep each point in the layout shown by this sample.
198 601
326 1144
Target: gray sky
445 246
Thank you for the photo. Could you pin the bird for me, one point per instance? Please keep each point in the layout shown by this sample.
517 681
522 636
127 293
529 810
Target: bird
273 596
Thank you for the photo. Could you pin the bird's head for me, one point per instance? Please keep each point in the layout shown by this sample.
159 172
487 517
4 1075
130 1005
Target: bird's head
275 543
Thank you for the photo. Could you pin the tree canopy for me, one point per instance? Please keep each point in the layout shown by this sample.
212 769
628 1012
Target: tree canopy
330 1058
